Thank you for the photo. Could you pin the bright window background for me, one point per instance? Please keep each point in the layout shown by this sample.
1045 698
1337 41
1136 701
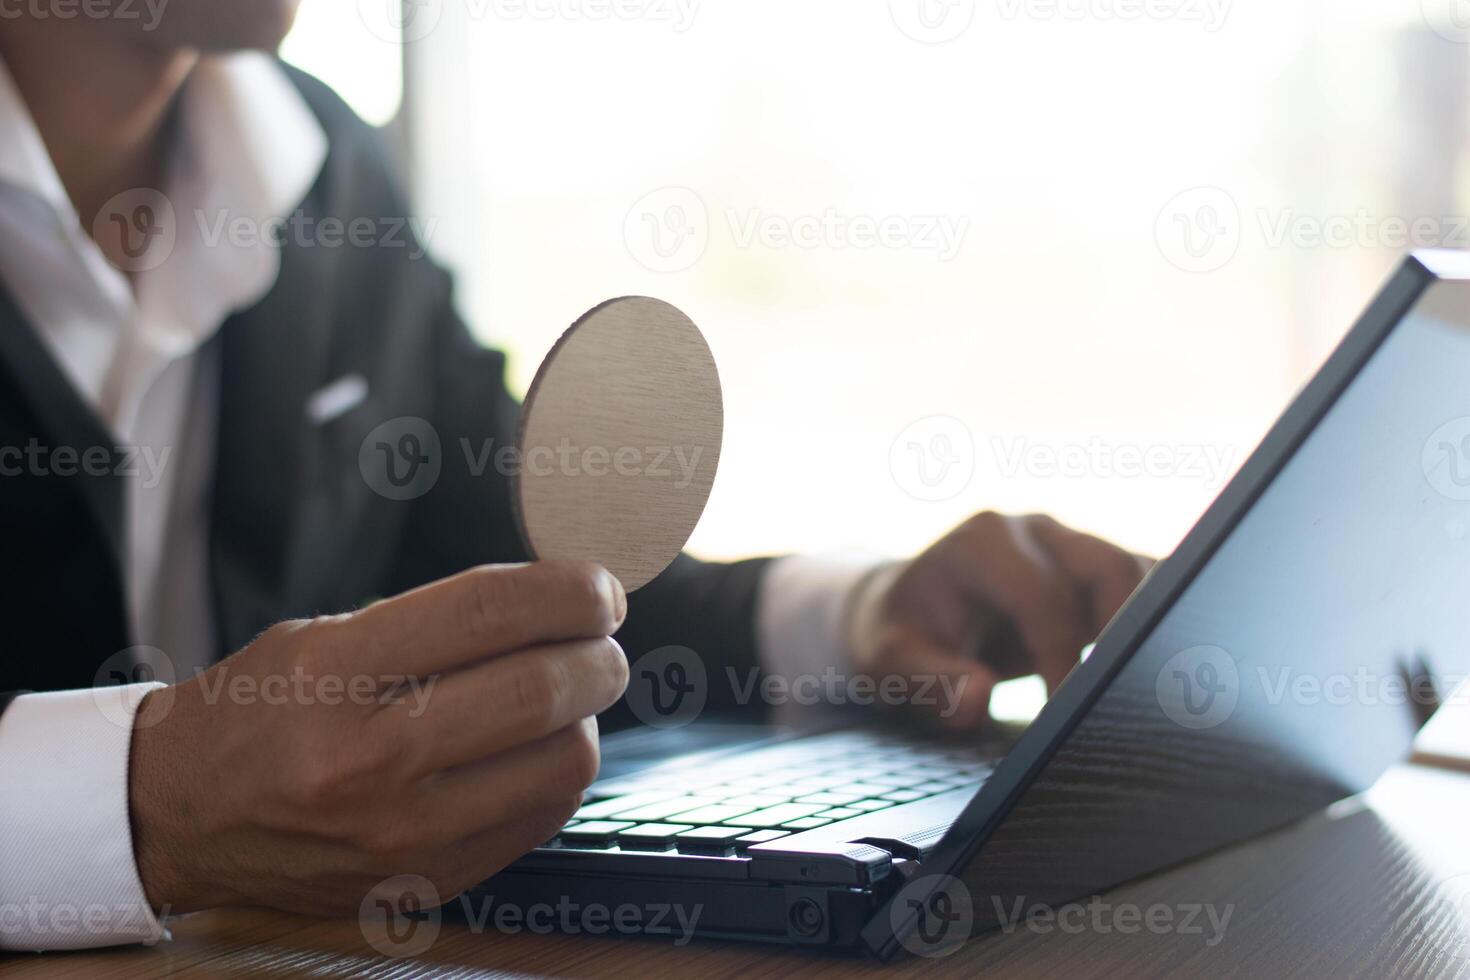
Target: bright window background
1089 312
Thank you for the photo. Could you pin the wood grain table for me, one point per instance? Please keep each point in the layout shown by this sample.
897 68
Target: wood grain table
1373 888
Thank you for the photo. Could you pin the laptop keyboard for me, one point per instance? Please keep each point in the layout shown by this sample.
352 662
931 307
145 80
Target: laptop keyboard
725 805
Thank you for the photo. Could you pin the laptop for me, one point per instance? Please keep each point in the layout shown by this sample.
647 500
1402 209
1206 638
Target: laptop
1281 659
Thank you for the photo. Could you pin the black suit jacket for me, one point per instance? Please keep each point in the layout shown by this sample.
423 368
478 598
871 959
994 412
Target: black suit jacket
295 529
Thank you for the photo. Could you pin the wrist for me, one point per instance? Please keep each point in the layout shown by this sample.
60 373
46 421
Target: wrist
863 612
168 836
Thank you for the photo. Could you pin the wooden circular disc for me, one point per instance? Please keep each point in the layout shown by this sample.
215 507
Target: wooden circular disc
620 439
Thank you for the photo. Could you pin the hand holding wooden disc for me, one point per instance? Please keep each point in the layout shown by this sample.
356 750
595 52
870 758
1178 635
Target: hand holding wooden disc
620 440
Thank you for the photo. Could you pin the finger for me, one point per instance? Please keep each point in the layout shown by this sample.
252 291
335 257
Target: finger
543 778
484 612
993 558
515 699
945 686
1107 573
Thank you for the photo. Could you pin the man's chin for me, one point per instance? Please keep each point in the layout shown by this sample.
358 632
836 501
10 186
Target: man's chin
219 25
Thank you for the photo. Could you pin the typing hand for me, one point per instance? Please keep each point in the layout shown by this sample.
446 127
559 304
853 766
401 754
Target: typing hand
996 598
443 733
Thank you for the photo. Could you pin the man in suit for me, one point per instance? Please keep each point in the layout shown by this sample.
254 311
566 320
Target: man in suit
180 423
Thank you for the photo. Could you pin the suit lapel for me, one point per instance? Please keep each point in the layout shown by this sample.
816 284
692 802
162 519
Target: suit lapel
66 420
273 358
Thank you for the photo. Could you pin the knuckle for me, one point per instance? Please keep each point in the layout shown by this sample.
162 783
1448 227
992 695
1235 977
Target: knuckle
540 688
986 525
483 608
1128 567
584 756
617 666
386 839
314 785
585 586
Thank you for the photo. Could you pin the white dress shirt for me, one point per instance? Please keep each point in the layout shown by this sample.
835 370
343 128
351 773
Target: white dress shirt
248 147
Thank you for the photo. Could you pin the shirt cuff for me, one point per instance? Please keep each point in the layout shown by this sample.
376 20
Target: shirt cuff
801 629
68 879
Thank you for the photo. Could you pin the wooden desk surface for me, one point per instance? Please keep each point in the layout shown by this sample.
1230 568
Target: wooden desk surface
1371 889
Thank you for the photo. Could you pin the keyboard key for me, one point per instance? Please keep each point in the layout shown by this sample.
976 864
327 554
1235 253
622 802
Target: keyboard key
822 782
651 836
862 773
861 790
755 802
829 799
706 840
840 813
904 796
714 814
593 832
761 837
869 806
748 784
898 780
666 808
806 823
606 808
777 816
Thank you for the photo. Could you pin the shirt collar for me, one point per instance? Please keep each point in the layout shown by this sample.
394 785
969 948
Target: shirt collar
249 137
247 147
246 134
24 160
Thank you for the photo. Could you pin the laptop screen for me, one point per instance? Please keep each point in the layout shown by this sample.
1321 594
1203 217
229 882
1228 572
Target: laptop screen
1283 658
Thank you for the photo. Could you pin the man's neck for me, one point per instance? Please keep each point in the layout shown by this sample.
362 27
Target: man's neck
106 127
